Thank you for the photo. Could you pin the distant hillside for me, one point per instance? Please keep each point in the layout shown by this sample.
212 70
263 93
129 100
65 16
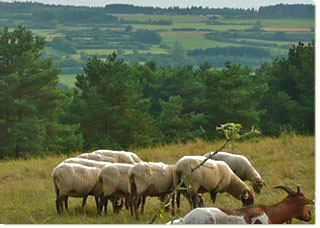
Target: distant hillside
279 11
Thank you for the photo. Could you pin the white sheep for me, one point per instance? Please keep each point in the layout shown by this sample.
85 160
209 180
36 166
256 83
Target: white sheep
216 216
149 179
120 156
115 182
242 167
97 157
87 162
213 177
75 180
100 165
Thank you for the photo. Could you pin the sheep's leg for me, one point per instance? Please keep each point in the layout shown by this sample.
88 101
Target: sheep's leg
143 202
213 195
127 203
131 205
58 206
105 204
172 205
194 201
84 201
135 202
66 204
59 203
96 198
200 199
178 201
162 198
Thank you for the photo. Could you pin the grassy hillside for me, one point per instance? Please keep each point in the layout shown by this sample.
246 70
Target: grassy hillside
27 194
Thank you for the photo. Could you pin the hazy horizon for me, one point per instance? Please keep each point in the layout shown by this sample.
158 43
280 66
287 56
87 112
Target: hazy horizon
168 3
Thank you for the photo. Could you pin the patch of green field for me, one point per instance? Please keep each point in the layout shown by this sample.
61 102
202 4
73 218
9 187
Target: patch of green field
276 23
191 40
267 41
174 18
48 34
192 26
155 49
102 51
68 79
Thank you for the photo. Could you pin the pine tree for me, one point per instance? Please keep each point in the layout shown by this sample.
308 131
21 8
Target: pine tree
29 97
232 95
109 105
290 101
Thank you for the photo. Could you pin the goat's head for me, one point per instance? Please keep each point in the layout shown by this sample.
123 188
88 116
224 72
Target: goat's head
247 198
300 201
257 185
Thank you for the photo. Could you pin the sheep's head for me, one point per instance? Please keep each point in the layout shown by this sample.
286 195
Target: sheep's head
300 203
247 198
257 185
117 204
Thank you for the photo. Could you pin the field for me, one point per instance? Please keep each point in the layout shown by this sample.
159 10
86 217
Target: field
189 30
27 195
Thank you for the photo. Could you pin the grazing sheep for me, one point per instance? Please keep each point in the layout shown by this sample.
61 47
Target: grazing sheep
213 177
75 180
149 179
114 181
100 165
120 156
97 157
87 162
241 166
217 216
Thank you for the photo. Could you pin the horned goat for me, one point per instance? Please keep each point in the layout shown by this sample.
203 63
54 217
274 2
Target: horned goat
213 177
293 206
242 167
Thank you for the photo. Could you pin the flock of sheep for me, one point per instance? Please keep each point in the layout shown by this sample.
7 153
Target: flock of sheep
124 179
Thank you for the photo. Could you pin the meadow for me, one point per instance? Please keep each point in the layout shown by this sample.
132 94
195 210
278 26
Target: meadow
27 195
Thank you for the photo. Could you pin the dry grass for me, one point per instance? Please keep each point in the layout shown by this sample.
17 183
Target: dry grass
27 195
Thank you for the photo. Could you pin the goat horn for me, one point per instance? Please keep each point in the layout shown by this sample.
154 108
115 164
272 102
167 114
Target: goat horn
287 189
299 188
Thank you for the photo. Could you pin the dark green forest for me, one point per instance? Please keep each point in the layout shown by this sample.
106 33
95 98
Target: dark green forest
118 105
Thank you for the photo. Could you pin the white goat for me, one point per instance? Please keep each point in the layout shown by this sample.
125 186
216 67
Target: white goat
216 216
213 177
242 167
149 179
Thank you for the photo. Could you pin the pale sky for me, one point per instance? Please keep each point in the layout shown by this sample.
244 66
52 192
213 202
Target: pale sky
181 3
